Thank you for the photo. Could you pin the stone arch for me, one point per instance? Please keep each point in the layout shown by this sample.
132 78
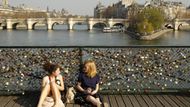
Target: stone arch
119 24
59 23
179 26
79 23
183 25
34 24
169 26
14 25
100 25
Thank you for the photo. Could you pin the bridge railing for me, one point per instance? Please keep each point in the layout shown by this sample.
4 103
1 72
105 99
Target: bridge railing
122 69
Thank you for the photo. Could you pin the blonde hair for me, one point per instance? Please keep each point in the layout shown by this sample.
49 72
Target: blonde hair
91 71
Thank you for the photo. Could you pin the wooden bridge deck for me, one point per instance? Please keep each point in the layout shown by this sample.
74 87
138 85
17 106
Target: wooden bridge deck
151 100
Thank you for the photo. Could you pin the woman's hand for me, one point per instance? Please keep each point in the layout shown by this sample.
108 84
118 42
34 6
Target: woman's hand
89 90
52 79
93 92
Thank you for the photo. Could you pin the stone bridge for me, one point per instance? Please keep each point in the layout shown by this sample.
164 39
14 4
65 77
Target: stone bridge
180 22
70 22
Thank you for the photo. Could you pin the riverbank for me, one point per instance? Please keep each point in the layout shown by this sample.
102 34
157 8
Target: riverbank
148 37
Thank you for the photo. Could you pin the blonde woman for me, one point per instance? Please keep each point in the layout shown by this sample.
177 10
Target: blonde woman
88 85
52 84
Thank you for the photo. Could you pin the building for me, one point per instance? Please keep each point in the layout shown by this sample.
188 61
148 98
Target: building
5 3
99 10
174 9
127 3
117 10
171 9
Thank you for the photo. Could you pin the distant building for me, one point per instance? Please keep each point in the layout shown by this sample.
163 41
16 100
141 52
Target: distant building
127 3
5 3
174 9
171 9
120 9
99 10
117 10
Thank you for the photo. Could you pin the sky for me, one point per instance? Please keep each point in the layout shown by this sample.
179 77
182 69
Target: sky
78 7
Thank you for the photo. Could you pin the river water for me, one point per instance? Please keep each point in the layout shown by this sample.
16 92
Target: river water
81 37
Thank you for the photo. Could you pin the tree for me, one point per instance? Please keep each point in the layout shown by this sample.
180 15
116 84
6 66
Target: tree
144 27
147 20
155 16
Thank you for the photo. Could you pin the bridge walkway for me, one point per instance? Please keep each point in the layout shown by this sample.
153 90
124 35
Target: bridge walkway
130 100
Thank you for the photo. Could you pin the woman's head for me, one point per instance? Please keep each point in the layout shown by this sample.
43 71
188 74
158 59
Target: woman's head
53 69
90 68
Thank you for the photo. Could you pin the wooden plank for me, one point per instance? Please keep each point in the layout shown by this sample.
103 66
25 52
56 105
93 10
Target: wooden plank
5 100
16 105
134 101
141 101
148 101
33 100
106 99
113 101
76 105
69 105
183 100
155 101
25 100
171 102
11 102
176 100
120 101
187 97
127 101
20 101
1 97
163 101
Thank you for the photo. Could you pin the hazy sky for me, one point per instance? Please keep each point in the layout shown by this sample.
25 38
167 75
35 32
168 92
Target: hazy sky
79 7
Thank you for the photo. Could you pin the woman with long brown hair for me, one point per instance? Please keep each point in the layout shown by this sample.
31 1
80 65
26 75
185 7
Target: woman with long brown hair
52 84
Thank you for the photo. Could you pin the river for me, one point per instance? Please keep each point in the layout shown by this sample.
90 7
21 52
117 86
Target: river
81 37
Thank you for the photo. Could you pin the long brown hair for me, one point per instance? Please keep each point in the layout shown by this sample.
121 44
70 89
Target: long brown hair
51 67
91 71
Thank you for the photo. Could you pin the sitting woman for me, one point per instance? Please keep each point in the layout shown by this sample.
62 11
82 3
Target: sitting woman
51 87
88 84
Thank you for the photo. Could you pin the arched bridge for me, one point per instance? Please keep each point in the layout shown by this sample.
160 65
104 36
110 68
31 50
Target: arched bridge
180 22
70 22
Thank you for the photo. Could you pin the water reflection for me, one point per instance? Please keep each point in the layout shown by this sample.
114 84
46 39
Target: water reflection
176 34
81 37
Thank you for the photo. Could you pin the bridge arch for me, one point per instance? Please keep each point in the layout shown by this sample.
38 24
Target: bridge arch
169 25
100 25
36 23
119 24
62 25
182 25
80 23
19 25
14 25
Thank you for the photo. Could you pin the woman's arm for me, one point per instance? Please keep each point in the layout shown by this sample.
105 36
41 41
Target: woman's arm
79 87
96 90
60 87
44 81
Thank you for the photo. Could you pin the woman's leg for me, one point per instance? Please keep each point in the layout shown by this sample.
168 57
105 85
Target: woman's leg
44 93
56 94
93 100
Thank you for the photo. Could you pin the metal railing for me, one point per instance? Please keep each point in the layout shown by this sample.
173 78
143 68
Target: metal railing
128 69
